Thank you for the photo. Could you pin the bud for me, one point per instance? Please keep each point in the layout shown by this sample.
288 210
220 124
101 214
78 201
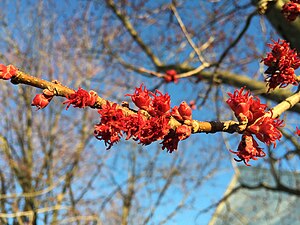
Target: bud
41 101
7 72
185 111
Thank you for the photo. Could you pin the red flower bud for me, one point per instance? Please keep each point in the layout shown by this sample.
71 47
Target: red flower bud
7 72
171 76
41 101
185 111
175 113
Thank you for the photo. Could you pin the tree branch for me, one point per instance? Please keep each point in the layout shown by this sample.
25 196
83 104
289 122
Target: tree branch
197 126
125 21
289 31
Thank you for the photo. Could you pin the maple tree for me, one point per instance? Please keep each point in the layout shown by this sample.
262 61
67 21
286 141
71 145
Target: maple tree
153 119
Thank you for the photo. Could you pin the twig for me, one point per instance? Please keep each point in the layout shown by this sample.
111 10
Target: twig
81 218
193 72
186 34
31 213
36 193
238 38
125 21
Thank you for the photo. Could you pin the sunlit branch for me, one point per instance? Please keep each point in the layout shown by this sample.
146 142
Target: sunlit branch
36 193
289 31
194 71
285 105
31 213
138 69
197 126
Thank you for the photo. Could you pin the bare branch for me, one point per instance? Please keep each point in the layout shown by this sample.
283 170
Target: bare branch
187 35
134 34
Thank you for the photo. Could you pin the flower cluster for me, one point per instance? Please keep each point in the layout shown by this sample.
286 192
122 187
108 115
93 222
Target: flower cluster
171 76
81 98
7 72
282 62
258 121
149 124
291 10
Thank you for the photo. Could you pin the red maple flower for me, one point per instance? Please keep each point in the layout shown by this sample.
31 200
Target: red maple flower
257 110
282 61
291 10
160 104
266 129
170 141
248 149
240 104
81 98
7 72
41 100
171 76
141 98
153 129
132 124
111 125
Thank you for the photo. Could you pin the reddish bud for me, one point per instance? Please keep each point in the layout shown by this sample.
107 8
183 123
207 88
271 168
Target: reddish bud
185 111
41 100
175 113
171 76
7 72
